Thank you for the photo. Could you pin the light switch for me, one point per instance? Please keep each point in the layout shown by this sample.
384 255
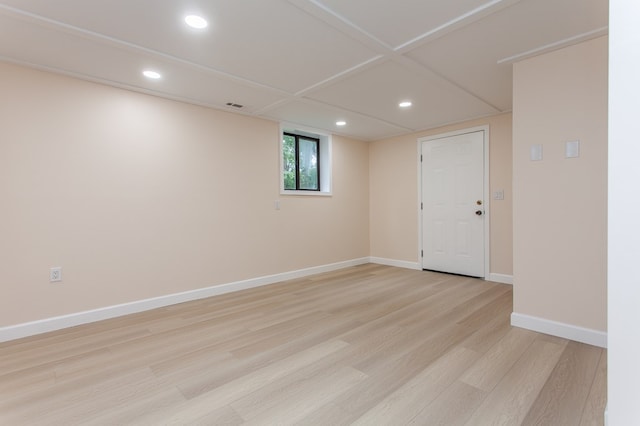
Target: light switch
498 195
536 152
572 149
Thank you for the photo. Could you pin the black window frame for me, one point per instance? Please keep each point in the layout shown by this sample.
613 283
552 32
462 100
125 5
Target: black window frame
297 138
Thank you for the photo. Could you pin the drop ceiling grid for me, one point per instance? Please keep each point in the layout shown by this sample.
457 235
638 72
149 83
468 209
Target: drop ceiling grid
308 61
396 24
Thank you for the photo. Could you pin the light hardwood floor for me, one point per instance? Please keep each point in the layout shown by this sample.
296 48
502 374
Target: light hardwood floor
368 345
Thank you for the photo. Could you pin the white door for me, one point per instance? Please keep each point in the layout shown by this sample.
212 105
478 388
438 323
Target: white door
453 211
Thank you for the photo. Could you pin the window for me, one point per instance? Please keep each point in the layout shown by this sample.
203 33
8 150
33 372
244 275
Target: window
306 160
301 162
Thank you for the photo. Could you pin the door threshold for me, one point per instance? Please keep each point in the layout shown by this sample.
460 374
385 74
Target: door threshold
453 273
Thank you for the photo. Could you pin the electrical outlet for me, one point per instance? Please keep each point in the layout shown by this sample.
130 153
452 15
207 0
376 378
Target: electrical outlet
55 274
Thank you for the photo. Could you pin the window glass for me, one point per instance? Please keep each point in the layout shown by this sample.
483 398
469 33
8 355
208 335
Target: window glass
289 161
308 164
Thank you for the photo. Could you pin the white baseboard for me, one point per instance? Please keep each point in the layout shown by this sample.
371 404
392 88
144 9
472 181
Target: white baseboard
559 329
501 278
57 323
398 263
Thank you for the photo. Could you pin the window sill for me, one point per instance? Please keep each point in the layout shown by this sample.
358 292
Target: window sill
306 193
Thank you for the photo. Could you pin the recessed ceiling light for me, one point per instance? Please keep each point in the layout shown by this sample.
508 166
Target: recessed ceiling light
195 21
151 74
405 104
341 123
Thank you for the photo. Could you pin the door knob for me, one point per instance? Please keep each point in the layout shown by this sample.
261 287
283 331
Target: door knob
479 212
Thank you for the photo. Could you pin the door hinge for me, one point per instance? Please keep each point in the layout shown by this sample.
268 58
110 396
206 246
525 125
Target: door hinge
421 253
421 158
421 206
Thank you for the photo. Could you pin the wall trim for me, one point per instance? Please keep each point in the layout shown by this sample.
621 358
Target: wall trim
501 278
397 263
32 328
46 325
559 329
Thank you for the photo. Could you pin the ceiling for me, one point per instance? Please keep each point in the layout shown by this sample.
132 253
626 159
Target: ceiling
306 62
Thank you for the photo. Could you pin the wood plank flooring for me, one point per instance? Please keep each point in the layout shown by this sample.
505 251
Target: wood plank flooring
368 345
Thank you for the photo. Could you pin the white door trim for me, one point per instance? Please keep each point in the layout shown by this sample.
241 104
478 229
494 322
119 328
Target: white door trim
487 191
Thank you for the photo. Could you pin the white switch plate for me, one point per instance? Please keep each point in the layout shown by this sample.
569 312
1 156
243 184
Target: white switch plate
499 194
536 152
276 204
572 149
55 274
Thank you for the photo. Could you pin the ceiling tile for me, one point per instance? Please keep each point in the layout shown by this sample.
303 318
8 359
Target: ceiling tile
270 42
28 43
319 116
377 91
517 29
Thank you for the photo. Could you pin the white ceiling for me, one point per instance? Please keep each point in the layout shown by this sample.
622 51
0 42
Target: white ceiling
307 62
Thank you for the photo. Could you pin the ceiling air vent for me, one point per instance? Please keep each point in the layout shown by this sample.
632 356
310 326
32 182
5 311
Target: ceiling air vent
235 105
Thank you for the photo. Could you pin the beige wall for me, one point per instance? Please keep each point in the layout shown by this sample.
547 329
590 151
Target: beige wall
394 193
560 205
137 197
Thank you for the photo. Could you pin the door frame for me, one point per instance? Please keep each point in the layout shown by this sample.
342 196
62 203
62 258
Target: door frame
487 192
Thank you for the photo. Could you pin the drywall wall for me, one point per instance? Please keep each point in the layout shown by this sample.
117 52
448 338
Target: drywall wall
624 204
138 197
560 204
394 193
